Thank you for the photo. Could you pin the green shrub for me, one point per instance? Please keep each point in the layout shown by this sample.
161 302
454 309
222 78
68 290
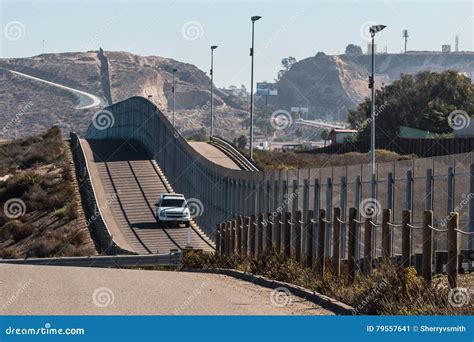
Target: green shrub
22 231
44 248
61 213
9 253
7 231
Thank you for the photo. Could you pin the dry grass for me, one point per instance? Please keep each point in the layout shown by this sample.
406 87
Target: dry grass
40 176
271 160
390 290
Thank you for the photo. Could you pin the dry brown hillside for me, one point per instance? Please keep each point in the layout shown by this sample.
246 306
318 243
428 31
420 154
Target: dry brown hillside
330 85
40 212
28 106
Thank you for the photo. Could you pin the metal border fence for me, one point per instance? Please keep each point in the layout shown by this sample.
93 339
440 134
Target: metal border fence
442 184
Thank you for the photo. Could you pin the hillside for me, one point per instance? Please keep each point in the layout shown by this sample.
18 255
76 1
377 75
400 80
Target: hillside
29 106
41 214
329 85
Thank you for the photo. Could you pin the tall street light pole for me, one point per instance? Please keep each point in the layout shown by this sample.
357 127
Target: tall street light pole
174 97
213 47
254 19
373 31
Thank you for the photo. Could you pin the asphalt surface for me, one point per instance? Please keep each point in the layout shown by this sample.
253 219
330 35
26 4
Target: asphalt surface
87 100
214 154
59 290
128 185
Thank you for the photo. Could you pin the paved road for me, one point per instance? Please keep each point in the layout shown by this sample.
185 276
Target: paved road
87 100
127 184
214 154
58 290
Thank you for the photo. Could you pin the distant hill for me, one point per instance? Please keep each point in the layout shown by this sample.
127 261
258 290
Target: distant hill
330 85
327 85
29 106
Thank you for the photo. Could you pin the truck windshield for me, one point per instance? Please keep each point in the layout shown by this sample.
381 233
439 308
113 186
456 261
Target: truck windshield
172 202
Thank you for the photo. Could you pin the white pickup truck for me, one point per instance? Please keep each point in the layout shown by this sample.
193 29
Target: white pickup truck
172 209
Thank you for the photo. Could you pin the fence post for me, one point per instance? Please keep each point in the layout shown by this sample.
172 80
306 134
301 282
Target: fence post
260 234
252 235
277 236
227 238
321 242
233 225
452 266
351 258
386 234
409 191
406 238
309 238
427 244
297 238
470 244
368 246
218 239
336 251
239 235
223 238
245 236
269 232
287 237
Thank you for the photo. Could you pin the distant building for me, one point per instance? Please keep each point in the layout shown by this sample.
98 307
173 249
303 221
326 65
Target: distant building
291 147
369 48
446 48
465 132
414 133
262 145
338 136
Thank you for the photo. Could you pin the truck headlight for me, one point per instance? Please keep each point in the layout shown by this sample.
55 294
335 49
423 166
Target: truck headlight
162 214
186 214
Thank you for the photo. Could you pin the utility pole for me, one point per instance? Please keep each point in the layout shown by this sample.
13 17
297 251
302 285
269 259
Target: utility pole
254 19
42 50
405 35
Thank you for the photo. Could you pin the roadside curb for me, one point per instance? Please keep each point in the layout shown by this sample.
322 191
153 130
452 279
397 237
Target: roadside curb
332 304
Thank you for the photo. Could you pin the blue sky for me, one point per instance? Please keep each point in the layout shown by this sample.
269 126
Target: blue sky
184 30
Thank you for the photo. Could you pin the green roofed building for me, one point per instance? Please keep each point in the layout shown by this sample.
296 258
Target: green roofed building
414 133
